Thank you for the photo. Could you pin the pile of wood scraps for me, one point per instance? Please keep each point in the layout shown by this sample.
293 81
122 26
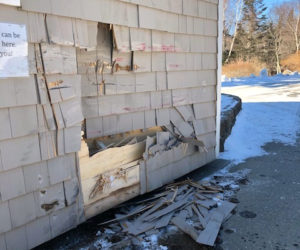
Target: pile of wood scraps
197 209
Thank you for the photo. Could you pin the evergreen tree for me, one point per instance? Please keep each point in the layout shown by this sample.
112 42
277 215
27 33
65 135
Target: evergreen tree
251 37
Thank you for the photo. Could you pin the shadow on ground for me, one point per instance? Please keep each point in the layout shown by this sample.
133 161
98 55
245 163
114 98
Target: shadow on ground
268 216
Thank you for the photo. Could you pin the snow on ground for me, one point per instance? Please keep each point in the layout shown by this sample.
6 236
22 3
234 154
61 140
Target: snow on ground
270 113
227 103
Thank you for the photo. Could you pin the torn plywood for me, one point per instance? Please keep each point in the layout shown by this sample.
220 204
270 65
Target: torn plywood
102 185
106 160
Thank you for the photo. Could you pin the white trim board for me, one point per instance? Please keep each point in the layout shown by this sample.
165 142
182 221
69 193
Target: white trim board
219 76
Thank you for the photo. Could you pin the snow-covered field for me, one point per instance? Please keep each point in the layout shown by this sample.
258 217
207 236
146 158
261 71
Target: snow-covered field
270 113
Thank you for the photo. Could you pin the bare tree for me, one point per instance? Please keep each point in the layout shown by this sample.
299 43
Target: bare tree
291 13
293 24
238 14
275 33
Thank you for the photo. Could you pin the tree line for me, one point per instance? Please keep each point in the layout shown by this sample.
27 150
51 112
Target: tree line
253 30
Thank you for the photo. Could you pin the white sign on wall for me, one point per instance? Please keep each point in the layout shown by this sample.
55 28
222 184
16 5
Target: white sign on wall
13 50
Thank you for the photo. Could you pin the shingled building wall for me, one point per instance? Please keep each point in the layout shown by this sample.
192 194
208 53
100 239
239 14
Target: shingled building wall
113 66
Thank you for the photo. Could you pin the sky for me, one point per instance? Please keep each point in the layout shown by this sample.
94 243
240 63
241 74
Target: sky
269 3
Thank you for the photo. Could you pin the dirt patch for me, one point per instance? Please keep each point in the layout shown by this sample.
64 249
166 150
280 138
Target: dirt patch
247 214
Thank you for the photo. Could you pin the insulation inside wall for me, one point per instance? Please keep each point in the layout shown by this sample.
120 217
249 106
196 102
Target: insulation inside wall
102 71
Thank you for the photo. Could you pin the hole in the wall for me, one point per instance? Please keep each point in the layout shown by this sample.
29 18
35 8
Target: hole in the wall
109 164
99 144
49 206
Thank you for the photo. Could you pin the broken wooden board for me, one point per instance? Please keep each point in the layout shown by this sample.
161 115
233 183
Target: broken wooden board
186 228
102 185
168 209
209 234
110 159
186 112
164 221
112 200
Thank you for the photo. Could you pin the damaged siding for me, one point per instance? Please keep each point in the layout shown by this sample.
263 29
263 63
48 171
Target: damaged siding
40 129
119 66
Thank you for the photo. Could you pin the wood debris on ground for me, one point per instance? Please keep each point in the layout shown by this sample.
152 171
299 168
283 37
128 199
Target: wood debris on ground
197 209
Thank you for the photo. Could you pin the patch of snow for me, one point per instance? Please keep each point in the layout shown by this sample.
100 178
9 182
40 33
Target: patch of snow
151 242
108 231
163 247
224 78
227 102
153 239
263 73
270 113
172 229
234 187
102 244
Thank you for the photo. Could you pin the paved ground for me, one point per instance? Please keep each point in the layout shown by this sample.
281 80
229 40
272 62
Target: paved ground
268 215
272 198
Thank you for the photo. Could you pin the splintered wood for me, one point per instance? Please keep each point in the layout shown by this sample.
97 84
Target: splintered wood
196 209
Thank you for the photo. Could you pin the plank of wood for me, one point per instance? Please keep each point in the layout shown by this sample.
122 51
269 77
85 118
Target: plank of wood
156 148
190 211
207 203
143 177
186 228
111 201
150 141
186 112
194 142
107 160
134 212
200 197
201 218
184 128
101 186
141 228
227 207
154 197
208 191
210 233
159 204
183 214
164 221
203 211
162 138
167 210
